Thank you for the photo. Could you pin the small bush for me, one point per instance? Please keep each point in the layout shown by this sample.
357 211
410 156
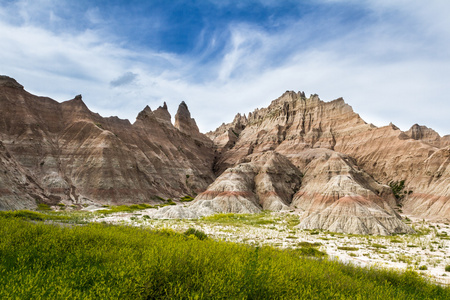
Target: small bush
170 202
348 248
423 268
397 187
447 268
379 246
197 233
32 215
160 198
396 241
23 214
311 251
186 199
43 207
308 244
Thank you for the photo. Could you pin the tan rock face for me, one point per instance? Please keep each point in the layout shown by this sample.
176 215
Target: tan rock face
424 134
76 156
338 196
267 180
17 189
320 139
431 197
317 158
262 181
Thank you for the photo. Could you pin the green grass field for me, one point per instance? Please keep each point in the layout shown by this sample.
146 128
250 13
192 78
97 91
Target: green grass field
98 261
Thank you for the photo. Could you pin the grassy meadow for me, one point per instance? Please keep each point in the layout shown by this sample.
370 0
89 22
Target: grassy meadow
49 259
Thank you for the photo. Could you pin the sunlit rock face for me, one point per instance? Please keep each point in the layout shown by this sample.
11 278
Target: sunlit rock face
317 159
264 181
74 156
315 135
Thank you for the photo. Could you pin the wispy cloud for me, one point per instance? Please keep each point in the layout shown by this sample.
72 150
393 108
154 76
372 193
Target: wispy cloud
387 59
125 79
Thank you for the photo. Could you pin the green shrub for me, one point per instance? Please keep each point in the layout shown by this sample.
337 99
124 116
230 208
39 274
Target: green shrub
197 233
43 207
423 268
170 202
447 268
396 241
311 251
160 198
186 199
23 214
348 248
379 246
308 244
397 188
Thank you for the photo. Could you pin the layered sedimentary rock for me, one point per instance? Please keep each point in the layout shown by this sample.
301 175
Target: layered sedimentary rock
226 135
262 181
338 196
291 124
76 156
317 159
302 128
390 155
431 195
266 180
426 135
17 188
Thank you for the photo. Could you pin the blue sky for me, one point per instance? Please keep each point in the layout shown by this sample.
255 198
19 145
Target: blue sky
388 59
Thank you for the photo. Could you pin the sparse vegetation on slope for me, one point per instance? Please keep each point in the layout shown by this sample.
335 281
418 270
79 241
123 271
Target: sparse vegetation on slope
124 208
99 261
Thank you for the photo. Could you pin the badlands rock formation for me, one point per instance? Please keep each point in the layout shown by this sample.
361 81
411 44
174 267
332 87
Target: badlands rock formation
66 153
317 159
346 163
338 196
262 181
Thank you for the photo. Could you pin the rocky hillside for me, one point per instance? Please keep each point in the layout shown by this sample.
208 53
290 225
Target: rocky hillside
63 153
317 159
345 162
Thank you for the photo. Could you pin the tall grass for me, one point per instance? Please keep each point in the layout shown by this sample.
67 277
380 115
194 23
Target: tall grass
97 261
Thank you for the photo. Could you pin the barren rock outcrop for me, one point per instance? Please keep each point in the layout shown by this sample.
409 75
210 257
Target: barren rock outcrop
293 124
264 181
17 188
424 134
431 197
317 158
76 156
338 196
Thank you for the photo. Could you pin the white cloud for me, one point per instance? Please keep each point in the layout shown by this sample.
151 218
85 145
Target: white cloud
383 69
